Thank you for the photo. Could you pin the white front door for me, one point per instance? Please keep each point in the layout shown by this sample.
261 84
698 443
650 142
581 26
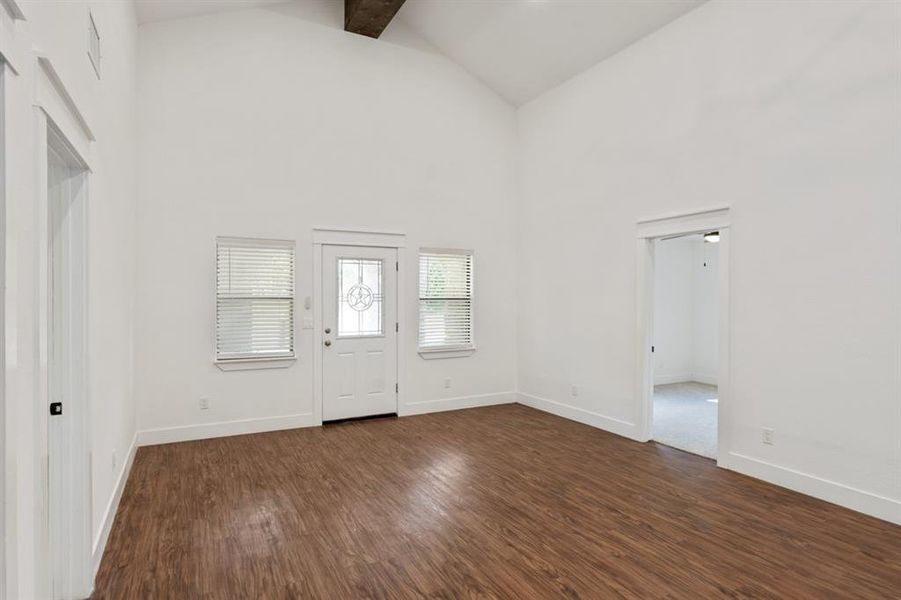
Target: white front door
359 353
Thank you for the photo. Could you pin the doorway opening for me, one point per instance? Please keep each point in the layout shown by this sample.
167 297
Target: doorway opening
682 406
686 343
69 493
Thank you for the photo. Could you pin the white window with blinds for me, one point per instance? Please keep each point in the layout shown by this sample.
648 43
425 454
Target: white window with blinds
254 299
445 300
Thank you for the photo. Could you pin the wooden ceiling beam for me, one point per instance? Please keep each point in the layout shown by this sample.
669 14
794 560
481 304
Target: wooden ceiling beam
369 17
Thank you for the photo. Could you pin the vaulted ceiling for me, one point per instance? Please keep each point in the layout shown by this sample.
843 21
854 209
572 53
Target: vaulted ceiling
165 10
518 48
522 48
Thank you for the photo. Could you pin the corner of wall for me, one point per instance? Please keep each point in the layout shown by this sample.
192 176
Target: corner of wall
109 515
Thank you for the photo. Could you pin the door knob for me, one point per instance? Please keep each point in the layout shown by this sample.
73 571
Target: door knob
328 342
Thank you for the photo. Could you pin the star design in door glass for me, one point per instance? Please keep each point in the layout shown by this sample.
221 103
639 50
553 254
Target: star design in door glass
359 297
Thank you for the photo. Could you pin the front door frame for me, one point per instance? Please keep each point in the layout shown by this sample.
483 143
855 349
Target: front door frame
649 231
350 237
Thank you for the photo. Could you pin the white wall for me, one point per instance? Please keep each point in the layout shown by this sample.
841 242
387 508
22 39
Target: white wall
788 112
686 332
58 31
673 311
270 122
785 111
705 335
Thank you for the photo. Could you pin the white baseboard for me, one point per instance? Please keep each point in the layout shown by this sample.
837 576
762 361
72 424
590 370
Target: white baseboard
685 378
457 403
574 413
109 514
187 433
868 503
704 378
674 378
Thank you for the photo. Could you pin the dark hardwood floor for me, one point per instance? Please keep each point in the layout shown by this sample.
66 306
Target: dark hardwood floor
499 502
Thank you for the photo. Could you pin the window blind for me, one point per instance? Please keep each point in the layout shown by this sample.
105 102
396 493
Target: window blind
254 298
445 299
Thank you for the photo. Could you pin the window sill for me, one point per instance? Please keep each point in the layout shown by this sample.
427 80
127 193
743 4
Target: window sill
249 364
457 353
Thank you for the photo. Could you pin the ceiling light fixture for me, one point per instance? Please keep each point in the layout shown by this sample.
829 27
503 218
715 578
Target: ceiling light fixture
712 237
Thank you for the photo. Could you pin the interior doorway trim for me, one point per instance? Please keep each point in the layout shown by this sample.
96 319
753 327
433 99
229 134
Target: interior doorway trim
353 237
58 118
4 487
55 128
649 231
65 471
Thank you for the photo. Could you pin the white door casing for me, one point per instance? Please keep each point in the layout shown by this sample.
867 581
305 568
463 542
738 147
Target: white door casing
68 459
359 331
60 566
4 488
649 230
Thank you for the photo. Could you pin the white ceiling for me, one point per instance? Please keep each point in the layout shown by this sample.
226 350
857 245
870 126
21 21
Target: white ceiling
519 48
163 10
522 48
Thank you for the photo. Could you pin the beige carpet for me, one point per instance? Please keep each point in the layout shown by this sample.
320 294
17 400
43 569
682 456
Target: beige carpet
685 417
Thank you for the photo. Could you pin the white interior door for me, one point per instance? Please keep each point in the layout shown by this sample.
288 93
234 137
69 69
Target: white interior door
68 464
359 353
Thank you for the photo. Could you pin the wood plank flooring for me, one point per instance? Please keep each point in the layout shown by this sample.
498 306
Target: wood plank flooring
498 502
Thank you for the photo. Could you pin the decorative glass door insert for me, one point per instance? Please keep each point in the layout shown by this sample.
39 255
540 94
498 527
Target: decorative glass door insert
360 298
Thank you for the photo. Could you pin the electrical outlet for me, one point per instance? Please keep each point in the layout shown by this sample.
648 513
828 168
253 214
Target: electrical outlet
204 403
768 436
447 383
574 391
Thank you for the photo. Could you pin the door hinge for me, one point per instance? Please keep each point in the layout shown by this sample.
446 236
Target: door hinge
397 327
397 265
396 388
652 349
